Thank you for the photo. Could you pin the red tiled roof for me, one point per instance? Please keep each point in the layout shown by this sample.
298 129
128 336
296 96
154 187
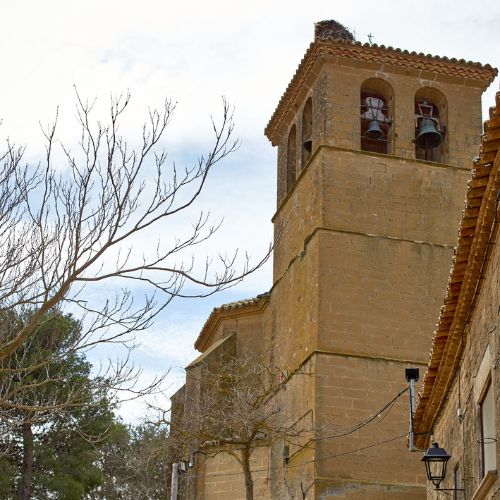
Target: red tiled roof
235 306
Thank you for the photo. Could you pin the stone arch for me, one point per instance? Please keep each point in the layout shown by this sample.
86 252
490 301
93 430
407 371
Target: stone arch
376 115
431 103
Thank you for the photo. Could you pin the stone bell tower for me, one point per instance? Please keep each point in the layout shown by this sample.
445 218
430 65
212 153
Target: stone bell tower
374 145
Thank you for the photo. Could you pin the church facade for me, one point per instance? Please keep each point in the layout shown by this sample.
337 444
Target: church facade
374 147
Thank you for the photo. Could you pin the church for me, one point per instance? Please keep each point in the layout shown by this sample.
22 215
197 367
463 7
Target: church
374 149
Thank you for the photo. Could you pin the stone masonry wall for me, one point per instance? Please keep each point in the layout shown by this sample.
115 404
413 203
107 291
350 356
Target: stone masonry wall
220 477
335 91
352 272
342 121
350 390
360 272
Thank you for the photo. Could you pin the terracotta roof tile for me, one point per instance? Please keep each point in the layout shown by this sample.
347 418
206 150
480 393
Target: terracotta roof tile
237 304
224 308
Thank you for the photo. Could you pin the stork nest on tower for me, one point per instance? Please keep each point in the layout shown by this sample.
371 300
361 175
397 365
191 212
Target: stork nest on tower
332 30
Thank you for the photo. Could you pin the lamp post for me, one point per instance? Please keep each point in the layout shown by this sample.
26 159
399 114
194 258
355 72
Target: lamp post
412 375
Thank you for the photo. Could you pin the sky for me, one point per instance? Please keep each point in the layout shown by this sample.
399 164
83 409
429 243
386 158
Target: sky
195 52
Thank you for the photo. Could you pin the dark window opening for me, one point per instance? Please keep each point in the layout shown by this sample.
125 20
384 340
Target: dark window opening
291 159
307 132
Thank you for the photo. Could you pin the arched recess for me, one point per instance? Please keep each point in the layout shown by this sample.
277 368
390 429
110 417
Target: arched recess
376 116
431 122
307 142
291 158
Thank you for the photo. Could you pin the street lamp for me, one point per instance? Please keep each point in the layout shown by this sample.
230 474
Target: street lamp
185 465
435 460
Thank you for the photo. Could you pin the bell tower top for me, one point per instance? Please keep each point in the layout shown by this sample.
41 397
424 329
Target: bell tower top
332 41
377 99
370 106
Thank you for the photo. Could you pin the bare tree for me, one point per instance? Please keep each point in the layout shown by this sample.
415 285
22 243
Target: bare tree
134 464
238 406
65 231
47 388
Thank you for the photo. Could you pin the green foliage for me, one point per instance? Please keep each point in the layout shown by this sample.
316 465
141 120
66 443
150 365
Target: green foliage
80 449
52 391
66 462
7 477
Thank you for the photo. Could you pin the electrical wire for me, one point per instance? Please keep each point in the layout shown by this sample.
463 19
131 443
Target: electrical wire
370 419
328 457
350 452
388 406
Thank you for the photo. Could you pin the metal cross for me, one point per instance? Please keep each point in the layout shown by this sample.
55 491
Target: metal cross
370 36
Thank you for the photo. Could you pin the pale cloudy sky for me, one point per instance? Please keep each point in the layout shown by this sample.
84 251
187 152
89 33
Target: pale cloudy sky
194 52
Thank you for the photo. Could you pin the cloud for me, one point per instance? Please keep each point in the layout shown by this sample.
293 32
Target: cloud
194 52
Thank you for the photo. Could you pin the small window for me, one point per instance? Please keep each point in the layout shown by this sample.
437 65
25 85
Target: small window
307 142
487 433
291 159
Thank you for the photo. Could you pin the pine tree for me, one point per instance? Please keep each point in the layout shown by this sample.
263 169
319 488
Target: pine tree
53 416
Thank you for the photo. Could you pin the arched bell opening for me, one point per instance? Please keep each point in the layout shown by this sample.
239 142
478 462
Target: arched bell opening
307 142
376 111
291 158
431 113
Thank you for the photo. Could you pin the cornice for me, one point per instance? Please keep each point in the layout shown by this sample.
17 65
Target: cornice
358 152
460 70
232 309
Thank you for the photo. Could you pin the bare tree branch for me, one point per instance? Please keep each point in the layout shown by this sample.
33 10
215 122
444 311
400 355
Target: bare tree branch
234 406
64 231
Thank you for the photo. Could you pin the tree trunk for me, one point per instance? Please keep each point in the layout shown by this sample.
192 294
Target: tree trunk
248 474
27 468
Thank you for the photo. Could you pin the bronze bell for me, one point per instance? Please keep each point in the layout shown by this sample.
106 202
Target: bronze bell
428 136
374 131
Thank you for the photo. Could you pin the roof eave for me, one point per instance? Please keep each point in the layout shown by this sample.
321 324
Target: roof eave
226 311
